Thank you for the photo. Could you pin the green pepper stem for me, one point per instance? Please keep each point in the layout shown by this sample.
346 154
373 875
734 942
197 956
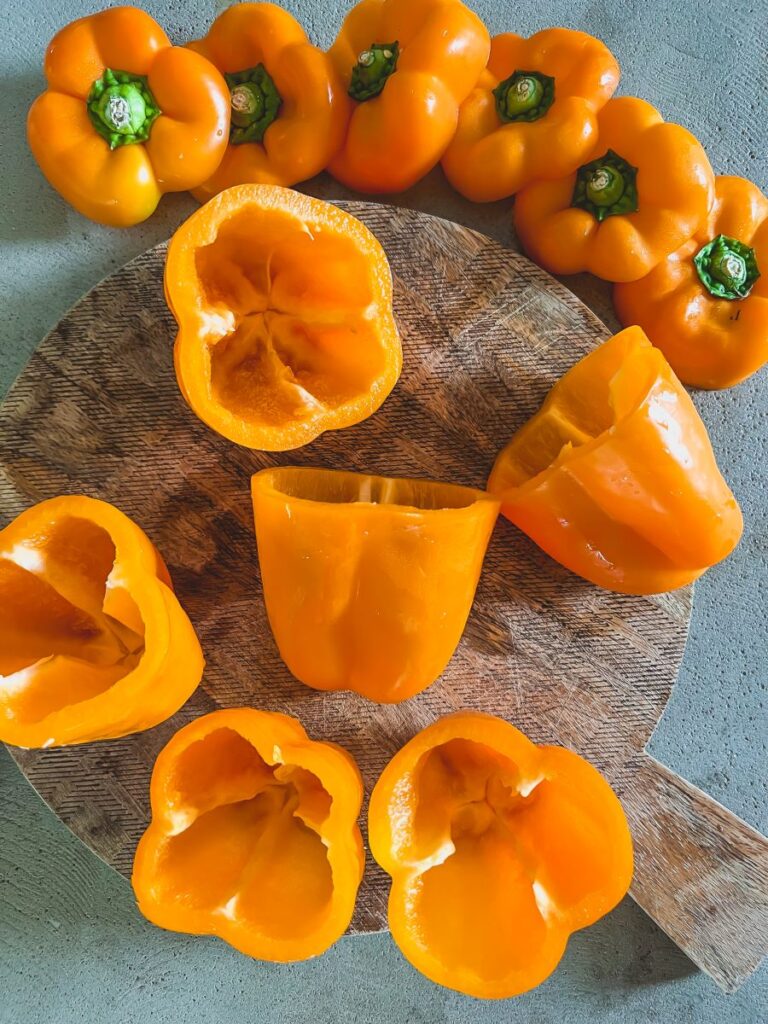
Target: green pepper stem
122 108
373 68
247 104
524 96
255 103
606 187
727 268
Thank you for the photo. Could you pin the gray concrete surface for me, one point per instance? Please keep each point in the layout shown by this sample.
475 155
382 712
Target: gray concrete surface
72 946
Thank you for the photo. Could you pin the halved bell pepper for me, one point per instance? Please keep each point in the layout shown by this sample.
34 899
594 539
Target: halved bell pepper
706 305
407 65
93 642
289 110
532 114
126 116
253 836
615 476
498 850
368 581
284 307
643 190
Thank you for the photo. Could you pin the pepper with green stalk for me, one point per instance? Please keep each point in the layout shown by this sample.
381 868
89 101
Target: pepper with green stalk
645 189
406 66
532 114
288 107
126 116
706 305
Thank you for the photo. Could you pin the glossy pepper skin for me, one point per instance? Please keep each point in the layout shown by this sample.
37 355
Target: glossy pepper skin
405 106
253 836
532 114
284 307
498 851
368 581
296 122
93 642
710 341
643 190
175 99
615 476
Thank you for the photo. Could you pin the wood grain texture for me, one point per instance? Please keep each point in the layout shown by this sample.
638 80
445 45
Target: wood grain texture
711 895
485 335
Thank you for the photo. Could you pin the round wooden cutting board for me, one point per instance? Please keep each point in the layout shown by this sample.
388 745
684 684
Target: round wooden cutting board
485 335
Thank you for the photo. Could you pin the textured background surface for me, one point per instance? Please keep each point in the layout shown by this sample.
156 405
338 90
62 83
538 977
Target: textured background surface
72 947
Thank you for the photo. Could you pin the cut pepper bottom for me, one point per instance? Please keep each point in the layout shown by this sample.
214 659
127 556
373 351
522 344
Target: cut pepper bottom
68 630
251 830
498 850
505 858
615 476
368 581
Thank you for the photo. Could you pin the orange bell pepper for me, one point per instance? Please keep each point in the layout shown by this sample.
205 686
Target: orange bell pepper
284 307
615 476
368 581
407 66
532 114
93 642
126 116
643 191
253 836
498 850
706 305
289 111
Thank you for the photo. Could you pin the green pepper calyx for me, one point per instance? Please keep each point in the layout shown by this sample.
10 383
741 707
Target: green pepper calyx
606 187
254 102
524 96
373 68
121 107
727 268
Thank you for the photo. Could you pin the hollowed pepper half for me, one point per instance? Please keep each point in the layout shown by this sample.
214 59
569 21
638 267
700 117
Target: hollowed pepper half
706 305
407 65
288 107
615 476
93 642
368 581
642 191
532 114
126 116
498 850
284 307
253 836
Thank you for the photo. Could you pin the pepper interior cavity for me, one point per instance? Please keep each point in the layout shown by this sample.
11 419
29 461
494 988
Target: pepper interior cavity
301 336
284 307
68 630
251 832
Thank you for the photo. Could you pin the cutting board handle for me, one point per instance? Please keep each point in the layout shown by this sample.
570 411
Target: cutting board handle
700 872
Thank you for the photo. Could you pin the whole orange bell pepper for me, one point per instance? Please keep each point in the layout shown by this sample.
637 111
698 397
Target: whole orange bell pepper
289 110
532 114
615 476
368 581
498 850
407 66
284 307
644 189
706 305
253 836
93 642
126 116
